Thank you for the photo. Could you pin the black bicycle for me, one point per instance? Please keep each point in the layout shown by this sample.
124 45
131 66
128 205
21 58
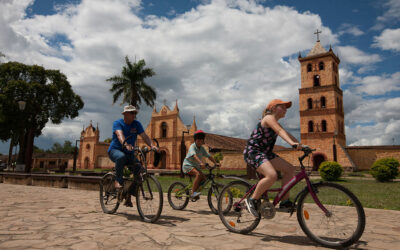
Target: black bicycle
145 187
179 193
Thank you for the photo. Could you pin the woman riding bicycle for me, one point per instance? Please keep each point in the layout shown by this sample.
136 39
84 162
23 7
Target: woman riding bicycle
193 163
259 154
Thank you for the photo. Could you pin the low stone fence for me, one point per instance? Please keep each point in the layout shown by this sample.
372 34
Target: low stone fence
58 181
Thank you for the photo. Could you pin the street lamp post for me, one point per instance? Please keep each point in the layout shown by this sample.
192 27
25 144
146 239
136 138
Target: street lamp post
334 146
75 154
183 150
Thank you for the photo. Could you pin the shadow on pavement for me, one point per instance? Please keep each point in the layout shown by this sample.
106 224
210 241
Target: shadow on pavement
301 240
203 212
164 220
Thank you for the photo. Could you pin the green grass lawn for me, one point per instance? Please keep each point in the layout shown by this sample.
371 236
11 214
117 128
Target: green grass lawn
371 193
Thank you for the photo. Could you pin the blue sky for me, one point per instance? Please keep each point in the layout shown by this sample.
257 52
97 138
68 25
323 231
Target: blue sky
222 60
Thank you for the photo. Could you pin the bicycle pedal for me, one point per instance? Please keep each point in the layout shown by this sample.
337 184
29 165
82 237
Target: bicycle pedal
195 199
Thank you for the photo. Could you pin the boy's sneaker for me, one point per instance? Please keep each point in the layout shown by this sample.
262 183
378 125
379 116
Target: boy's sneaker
286 204
251 206
195 194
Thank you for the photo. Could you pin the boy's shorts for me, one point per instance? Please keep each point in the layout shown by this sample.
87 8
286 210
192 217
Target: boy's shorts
187 168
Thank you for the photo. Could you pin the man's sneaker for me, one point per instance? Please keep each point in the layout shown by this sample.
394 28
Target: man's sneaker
195 194
128 201
286 204
251 206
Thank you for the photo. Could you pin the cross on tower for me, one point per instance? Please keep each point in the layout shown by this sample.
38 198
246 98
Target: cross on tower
317 33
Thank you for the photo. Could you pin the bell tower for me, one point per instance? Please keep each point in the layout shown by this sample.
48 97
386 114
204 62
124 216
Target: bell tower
321 101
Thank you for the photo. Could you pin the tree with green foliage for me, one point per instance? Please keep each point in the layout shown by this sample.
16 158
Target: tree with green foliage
131 84
108 140
48 96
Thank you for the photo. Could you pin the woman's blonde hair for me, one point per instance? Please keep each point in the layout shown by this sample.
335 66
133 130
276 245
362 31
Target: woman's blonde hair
266 112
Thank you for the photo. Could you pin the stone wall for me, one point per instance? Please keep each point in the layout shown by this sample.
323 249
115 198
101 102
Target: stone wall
364 157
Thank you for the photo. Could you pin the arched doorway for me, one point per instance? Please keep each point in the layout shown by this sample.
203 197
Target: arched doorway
86 163
163 160
317 159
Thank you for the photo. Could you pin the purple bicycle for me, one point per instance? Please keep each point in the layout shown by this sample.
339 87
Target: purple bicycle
328 213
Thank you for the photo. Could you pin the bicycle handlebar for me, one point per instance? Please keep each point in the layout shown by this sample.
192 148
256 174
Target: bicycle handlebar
208 166
307 150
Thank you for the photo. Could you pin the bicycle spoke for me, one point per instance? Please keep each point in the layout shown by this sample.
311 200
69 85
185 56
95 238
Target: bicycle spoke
178 195
149 199
108 194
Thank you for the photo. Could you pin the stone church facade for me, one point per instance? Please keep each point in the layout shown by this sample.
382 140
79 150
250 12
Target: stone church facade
321 127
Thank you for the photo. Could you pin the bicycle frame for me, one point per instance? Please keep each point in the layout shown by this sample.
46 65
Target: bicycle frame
286 188
209 178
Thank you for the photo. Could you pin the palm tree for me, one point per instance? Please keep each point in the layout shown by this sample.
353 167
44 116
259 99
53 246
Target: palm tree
131 85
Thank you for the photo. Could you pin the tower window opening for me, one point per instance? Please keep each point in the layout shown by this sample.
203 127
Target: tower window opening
316 81
323 102
309 103
323 126
310 126
309 67
321 66
163 130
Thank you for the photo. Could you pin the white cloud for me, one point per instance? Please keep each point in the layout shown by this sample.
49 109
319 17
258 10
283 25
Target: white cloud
390 16
379 85
350 29
389 39
352 55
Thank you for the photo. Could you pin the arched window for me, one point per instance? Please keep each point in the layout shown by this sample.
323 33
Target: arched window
309 103
323 124
321 66
310 126
309 67
316 80
163 130
323 102
336 83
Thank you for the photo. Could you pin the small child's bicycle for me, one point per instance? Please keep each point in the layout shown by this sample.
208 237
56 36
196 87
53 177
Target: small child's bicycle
146 188
328 213
179 193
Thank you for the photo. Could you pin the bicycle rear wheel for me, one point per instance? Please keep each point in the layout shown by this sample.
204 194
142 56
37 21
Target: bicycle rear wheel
342 226
108 194
149 199
178 195
213 195
232 209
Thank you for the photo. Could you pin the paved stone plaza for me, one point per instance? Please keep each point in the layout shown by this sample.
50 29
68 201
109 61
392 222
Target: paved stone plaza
54 218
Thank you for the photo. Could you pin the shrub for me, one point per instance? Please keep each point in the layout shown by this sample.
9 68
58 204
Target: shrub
330 170
218 157
385 169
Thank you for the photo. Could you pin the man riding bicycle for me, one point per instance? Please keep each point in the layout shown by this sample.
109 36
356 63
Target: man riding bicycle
123 155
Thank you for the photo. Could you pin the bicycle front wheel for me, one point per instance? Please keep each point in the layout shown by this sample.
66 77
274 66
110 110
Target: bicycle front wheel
344 223
178 195
232 209
212 197
108 194
149 199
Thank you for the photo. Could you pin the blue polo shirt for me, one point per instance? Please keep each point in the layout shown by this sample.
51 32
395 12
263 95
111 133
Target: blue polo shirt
134 128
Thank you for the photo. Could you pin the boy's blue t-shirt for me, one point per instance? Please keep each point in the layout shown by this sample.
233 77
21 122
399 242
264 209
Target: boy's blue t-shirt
134 128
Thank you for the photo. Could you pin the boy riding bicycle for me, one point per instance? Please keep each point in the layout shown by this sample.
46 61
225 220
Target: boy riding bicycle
193 161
